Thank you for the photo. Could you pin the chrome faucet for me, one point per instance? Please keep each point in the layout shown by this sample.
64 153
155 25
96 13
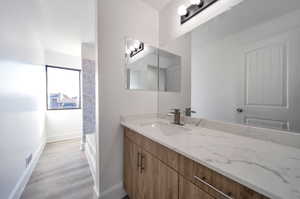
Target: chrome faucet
177 116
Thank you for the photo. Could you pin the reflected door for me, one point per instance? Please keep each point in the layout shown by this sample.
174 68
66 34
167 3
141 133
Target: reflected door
271 83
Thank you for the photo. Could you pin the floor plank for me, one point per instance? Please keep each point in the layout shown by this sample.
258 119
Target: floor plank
62 173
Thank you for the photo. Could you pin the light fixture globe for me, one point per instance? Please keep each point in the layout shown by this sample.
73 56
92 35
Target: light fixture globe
137 45
128 52
131 48
182 10
196 2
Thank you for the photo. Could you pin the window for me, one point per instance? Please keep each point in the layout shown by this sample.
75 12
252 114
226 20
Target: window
63 88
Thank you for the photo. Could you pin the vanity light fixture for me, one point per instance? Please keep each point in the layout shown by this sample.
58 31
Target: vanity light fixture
197 6
135 49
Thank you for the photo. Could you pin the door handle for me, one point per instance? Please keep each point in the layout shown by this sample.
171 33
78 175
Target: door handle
239 110
139 160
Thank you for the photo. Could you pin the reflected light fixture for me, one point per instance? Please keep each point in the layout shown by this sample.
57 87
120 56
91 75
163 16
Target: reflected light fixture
135 49
128 51
196 7
131 48
182 10
196 2
137 45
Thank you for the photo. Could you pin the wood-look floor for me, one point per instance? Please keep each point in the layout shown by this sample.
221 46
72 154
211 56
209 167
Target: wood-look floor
62 173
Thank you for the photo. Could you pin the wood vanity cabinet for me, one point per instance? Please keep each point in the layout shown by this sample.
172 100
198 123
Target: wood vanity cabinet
146 177
132 175
152 171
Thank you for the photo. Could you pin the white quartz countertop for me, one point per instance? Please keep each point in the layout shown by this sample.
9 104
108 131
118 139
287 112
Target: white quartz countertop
268 168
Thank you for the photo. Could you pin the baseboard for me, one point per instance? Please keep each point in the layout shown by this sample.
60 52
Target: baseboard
115 192
96 192
90 154
59 138
20 186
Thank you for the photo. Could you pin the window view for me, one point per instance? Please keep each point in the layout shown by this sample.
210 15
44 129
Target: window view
63 88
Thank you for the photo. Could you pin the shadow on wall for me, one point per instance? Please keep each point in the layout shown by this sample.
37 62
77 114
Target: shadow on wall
18 103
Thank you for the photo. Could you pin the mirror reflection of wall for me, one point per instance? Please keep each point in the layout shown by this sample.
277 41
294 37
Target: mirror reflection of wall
169 71
245 67
182 97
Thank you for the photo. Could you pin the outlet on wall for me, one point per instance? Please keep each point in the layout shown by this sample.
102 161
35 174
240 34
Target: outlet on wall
28 160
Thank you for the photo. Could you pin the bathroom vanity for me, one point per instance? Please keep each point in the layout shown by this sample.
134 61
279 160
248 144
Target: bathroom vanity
239 71
197 161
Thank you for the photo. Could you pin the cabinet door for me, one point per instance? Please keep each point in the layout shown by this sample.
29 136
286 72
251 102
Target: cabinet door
188 190
132 174
137 174
128 166
159 180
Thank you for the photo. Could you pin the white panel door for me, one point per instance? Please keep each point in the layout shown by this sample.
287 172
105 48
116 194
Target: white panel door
270 83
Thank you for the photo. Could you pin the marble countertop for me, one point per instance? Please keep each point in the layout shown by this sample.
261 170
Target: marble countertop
268 168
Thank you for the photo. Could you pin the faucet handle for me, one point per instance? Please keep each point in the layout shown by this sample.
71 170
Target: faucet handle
175 110
189 111
177 116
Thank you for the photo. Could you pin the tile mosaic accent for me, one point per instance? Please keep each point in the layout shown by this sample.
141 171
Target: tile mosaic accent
89 96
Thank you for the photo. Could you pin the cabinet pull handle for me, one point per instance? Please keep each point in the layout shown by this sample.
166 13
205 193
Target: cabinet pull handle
212 187
143 163
139 160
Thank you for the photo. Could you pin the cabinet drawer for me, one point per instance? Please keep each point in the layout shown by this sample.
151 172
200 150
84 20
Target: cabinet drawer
188 190
164 154
167 156
186 167
220 186
214 183
133 136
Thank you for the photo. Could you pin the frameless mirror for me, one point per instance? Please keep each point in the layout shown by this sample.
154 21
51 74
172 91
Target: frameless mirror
152 69
245 67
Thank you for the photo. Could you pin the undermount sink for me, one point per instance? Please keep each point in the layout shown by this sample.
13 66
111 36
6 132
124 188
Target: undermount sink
166 128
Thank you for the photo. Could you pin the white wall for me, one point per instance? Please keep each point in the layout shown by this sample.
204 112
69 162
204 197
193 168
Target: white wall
63 124
88 51
19 39
133 19
169 21
182 99
22 119
27 29
55 58
22 99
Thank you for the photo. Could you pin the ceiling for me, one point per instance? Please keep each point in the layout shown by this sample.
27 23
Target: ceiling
56 25
157 4
66 24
